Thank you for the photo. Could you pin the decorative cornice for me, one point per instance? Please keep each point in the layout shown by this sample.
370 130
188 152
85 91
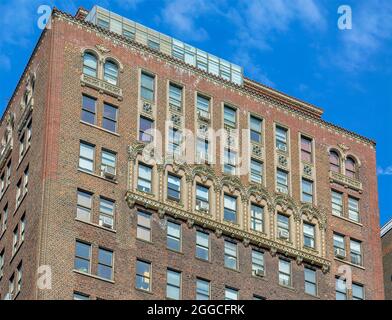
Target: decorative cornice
244 90
221 228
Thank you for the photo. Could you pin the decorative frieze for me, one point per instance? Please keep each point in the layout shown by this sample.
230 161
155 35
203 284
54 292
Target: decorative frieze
345 181
101 86
223 228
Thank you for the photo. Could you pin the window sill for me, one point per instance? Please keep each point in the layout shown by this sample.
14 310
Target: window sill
5 191
349 263
3 232
145 241
287 287
144 291
348 220
23 156
312 295
97 176
264 278
235 270
99 128
15 253
20 203
95 225
203 260
175 251
93 276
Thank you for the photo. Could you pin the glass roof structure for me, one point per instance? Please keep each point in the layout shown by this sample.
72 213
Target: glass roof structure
165 44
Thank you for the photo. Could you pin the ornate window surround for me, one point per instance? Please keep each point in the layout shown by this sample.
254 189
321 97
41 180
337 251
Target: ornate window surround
246 195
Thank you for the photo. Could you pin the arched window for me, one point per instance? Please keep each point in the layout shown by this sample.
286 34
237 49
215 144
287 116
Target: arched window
110 72
351 168
334 161
90 64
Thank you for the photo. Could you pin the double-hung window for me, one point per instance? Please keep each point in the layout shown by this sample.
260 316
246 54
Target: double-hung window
173 236
257 263
255 129
283 227
307 191
84 205
147 86
108 162
106 213
105 264
90 64
256 171
341 289
144 182
306 149
173 285
230 208
256 217
282 181
109 120
337 203
231 294
231 255
202 289
230 116
143 275
175 141
145 129
202 245
89 109
175 97
110 72
309 235
358 292
339 246
173 187
202 198
86 157
230 162
284 272
281 139
203 107
353 209
143 230
82 257
310 281
356 252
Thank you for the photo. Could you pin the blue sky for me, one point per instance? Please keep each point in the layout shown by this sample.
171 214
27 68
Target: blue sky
294 46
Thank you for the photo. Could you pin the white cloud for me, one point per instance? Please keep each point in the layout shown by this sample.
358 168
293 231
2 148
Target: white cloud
372 27
384 171
181 16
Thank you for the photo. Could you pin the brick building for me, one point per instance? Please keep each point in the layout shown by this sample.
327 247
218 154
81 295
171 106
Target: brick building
386 242
276 214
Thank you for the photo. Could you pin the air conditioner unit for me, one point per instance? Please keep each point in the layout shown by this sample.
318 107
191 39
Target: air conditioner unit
259 272
203 115
340 253
8 296
281 189
202 206
106 222
109 172
284 234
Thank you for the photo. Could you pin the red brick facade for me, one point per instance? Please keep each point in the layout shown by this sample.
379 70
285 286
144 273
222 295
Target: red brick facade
50 203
